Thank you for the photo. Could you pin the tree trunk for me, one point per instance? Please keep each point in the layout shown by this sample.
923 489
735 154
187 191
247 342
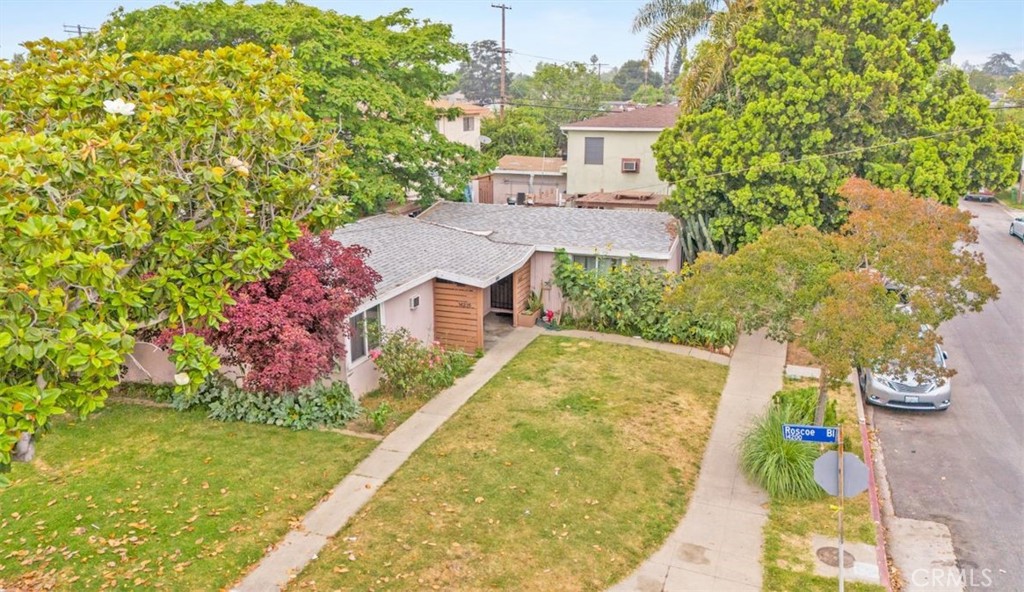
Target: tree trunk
819 411
664 81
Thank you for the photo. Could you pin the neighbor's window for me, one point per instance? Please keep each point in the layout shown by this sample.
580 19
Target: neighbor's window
468 124
360 337
591 262
593 150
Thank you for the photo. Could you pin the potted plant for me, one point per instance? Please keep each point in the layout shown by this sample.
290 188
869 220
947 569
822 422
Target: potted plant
528 317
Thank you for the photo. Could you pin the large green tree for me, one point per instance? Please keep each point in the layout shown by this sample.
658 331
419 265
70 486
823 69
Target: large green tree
135 190
676 23
480 75
839 295
564 93
631 75
829 90
371 77
522 130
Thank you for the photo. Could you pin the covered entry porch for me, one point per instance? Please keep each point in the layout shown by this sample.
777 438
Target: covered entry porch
460 309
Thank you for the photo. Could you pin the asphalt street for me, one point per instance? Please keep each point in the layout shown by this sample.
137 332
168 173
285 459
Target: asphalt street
964 467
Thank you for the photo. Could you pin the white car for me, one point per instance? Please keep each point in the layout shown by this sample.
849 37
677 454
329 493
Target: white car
1017 228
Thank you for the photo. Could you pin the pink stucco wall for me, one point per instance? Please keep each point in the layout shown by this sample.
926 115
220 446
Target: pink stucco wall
362 376
676 262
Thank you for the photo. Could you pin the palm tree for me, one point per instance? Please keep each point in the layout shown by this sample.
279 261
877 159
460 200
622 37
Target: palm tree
671 22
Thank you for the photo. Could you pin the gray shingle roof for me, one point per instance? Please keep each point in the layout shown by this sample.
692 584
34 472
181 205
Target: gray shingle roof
618 233
404 249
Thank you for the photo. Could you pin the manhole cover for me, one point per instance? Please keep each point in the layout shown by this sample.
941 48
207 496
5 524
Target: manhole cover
830 556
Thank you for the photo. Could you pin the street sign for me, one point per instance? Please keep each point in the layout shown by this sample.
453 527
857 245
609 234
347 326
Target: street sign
806 433
855 473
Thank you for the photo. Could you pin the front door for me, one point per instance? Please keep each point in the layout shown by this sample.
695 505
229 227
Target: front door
501 294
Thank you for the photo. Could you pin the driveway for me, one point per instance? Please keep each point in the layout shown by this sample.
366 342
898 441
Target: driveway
965 467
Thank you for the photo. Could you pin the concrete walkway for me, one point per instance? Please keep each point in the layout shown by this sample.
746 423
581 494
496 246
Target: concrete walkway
717 545
302 544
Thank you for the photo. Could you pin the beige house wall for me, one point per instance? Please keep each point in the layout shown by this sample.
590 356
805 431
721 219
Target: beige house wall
453 130
508 185
589 178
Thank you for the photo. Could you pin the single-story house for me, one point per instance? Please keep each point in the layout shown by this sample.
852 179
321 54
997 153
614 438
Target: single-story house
539 180
445 270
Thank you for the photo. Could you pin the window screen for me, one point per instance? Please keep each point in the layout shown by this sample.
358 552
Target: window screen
593 150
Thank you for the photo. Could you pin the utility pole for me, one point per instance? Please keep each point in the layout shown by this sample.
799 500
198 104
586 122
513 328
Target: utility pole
501 109
78 29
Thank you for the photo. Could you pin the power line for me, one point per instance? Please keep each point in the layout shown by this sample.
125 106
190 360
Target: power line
78 29
529 55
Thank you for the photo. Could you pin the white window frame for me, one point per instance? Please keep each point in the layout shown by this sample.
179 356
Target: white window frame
469 124
601 263
368 345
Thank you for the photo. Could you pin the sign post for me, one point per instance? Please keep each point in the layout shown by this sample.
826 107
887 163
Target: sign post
842 556
836 474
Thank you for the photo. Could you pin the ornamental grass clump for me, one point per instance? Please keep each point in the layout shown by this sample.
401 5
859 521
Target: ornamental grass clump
409 367
784 468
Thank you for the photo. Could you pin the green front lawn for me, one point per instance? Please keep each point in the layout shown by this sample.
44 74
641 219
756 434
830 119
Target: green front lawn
565 472
788 562
142 497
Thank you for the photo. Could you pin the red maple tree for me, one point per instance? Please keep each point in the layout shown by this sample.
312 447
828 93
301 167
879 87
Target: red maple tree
288 330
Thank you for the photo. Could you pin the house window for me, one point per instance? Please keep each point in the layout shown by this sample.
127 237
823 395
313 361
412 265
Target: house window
592 262
361 339
593 150
468 124
631 165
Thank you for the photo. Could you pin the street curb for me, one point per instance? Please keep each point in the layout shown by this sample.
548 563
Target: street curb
881 554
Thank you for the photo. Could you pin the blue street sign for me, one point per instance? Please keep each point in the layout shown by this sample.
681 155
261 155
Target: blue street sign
806 433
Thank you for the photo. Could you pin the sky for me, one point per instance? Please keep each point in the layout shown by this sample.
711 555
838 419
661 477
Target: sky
536 30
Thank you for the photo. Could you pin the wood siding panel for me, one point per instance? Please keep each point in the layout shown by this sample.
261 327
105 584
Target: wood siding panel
520 291
486 185
458 316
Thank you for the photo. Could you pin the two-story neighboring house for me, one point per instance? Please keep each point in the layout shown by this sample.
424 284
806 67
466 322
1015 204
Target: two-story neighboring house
465 128
612 154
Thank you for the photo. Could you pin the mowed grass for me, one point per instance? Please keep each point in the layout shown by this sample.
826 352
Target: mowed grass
137 497
566 471
788 558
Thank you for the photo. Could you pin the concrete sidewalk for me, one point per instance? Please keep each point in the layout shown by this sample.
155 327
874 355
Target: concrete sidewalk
302 544
717 545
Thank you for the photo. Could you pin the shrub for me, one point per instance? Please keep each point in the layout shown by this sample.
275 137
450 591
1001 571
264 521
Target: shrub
629 300
316 406
802 403
408 367
284 331
784 468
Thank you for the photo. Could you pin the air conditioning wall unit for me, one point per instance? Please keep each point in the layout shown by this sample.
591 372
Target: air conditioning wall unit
630 165
414 303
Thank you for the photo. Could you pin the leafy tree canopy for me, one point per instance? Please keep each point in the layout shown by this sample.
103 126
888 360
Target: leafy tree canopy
371 77
135 189
830 90
523 131
648 95
480 75
564 94
1000 64
630 76
838 294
